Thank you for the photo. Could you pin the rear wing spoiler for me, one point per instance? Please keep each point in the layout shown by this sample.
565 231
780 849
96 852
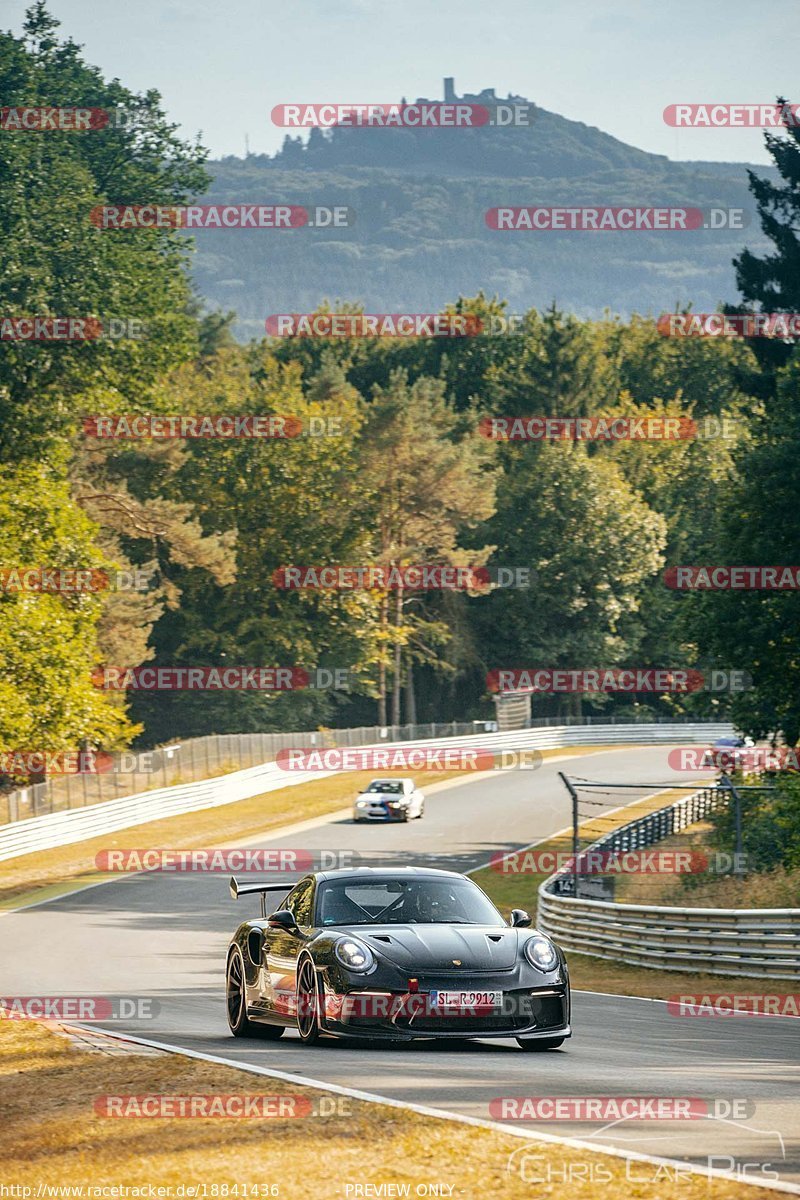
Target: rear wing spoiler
238 889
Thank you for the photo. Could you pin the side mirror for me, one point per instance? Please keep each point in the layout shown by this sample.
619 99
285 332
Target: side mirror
519 918
282 919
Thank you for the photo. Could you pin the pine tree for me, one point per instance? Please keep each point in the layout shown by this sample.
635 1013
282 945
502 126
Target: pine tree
773 282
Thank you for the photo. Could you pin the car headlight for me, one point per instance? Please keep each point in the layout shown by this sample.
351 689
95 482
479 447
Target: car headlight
354 955
361 803
541 953
396 803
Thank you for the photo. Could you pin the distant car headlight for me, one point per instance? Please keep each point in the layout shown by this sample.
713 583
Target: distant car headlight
541 953
354 955
397 804
362 803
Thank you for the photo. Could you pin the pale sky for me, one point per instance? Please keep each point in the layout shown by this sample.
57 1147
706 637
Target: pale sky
615 64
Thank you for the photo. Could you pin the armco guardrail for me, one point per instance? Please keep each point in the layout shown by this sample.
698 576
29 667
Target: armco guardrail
751 943
76 825
194 759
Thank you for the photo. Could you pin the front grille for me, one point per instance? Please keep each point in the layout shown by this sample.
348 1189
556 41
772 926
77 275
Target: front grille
520 1010
489 1023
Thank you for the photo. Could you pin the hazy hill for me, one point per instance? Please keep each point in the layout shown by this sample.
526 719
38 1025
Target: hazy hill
420 239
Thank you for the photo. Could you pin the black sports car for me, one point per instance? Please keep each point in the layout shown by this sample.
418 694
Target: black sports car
394 954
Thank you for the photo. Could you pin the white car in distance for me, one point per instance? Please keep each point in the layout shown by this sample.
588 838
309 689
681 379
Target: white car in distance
389 800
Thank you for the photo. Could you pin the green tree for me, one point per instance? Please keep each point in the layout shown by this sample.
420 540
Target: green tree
57 263
48 642
760 630
593 544
772 282
432 483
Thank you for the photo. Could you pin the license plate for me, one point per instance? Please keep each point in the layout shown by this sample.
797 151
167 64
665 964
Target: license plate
466 999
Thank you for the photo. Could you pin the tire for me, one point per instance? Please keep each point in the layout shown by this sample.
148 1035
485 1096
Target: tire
539 1044
238 1021
235 1001
307 1002
405 817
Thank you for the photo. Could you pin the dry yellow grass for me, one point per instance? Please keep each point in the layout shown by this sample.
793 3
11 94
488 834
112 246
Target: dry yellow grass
209 827
601 975
51 1136
773 889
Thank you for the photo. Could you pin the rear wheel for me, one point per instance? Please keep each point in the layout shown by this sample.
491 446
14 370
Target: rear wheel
539 1043
235 997
307 1002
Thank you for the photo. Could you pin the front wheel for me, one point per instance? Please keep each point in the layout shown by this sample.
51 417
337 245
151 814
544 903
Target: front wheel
307 1003
539 1043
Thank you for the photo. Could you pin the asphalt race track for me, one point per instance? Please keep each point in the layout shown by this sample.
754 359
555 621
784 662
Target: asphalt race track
164 936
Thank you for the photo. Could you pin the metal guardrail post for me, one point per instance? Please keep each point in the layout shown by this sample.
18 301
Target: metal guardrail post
726 783
575 830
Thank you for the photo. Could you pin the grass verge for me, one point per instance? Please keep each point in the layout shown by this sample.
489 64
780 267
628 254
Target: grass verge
52 1137
767 889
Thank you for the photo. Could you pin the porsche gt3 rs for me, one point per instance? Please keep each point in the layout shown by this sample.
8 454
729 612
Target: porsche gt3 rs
389 800
394 954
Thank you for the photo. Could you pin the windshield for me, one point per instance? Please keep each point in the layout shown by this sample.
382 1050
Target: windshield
404 902
390 787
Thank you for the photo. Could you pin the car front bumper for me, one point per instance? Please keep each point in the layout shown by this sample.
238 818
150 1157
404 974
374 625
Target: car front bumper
397 1016
380 814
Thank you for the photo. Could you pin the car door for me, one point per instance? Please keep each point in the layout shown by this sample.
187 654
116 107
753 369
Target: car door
282 946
